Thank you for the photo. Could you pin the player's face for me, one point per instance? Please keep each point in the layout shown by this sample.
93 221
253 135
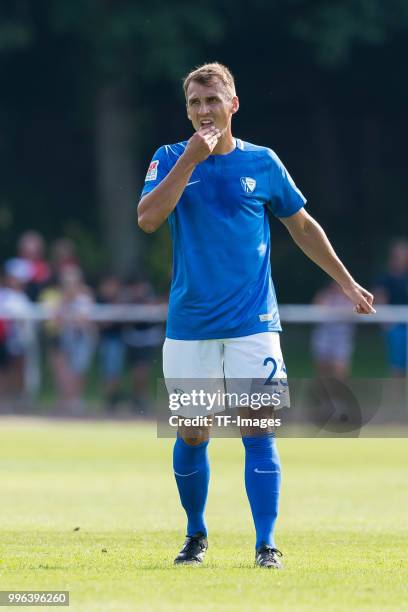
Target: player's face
210 105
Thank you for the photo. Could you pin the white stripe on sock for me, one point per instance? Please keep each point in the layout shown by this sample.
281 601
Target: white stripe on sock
265 471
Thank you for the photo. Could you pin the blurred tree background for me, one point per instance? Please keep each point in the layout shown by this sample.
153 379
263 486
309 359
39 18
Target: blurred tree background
90 89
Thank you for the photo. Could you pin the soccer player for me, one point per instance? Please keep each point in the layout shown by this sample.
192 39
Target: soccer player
215 191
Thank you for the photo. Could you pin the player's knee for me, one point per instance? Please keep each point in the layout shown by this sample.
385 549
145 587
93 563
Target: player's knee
193 438
193 441
257 432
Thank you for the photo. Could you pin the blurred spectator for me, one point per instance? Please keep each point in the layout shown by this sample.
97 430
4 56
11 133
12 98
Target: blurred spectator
63 255
31 264
16 335
4 352
392 288
111 346
4 356
143 341
51 297
332 343
74 339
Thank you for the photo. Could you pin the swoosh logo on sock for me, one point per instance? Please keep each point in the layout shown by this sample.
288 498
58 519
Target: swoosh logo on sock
184 475
266 471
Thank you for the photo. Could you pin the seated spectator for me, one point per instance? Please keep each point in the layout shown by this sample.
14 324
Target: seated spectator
392 288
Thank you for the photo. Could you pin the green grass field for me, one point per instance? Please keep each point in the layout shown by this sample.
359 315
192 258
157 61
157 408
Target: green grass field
342 528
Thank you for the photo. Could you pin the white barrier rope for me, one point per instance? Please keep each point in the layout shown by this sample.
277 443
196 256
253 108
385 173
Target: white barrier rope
157 313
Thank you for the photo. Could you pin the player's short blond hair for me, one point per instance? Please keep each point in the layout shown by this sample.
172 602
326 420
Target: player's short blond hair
207 73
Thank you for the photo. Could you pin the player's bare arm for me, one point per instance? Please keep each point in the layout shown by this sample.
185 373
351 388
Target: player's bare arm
156 206
311 238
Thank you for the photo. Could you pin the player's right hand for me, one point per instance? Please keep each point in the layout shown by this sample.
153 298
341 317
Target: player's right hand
202 144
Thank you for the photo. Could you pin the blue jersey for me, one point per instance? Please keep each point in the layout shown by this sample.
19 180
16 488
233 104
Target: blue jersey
222 286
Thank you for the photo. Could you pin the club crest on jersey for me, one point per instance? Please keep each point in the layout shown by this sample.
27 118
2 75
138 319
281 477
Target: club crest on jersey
152 170
248 184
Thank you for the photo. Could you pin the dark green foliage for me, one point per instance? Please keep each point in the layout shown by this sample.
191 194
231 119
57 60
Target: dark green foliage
334 27
321 81
143 40
17 30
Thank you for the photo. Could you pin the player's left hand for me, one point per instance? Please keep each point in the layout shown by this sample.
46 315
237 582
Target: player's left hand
360 297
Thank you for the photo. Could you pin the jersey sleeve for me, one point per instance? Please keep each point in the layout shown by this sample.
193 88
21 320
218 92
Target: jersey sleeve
285 198
158 169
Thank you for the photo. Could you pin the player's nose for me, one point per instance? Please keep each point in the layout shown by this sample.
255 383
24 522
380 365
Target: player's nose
203 111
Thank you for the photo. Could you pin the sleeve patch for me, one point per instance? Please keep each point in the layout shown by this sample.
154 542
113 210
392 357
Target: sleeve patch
152 170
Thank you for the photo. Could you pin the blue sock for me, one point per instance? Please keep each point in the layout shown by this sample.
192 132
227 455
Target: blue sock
262 482
192 472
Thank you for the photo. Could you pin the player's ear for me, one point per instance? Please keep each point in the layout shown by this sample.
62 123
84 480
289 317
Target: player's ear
235 104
